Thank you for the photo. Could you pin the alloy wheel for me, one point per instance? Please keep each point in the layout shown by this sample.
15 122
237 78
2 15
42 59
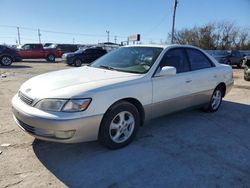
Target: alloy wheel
6 61
216 99
122 127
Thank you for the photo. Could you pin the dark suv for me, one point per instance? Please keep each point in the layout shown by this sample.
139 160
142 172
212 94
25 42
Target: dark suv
234 57
83 56
8 55
247 68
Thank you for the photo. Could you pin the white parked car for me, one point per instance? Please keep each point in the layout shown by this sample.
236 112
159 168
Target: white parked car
109 99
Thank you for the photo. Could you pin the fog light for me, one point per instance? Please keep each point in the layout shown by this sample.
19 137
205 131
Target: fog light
64 134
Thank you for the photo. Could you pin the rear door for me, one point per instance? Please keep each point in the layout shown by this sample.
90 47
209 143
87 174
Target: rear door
38 51
171 93
203 76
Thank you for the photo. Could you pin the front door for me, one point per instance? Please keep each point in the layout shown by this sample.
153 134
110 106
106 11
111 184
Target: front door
171 93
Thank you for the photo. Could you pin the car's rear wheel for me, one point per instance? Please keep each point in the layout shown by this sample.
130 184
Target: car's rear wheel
6 61
215 100
51 58
120 125
240 64
77 62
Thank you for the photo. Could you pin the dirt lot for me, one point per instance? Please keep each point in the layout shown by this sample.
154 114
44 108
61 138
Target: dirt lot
186 149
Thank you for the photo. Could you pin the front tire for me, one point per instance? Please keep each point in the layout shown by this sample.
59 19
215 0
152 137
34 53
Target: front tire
6 60
119 125
240 65
215 100
77 62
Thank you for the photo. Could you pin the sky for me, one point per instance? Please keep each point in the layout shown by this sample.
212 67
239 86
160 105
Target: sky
86 22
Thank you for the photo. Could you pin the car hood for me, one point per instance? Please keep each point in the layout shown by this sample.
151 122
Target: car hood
70 53
74 82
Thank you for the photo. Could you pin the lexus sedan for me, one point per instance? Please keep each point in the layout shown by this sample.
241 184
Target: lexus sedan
111 98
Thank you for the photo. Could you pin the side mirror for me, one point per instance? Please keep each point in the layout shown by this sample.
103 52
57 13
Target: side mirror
166 71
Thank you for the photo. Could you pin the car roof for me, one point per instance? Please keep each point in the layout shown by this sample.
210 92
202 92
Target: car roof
161 46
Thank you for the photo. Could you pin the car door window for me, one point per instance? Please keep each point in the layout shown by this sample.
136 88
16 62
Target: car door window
198 60
176 58
89 52
27 47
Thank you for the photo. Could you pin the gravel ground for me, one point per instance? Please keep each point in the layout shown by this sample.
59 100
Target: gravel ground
185 149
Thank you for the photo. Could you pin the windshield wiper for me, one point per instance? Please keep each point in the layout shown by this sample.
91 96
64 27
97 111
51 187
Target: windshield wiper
107 67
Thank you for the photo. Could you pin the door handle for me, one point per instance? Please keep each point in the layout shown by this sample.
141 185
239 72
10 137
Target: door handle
188 81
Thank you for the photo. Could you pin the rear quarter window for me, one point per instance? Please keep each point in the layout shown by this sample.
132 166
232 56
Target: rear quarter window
198 60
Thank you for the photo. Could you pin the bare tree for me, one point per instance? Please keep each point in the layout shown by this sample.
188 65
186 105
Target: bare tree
221 35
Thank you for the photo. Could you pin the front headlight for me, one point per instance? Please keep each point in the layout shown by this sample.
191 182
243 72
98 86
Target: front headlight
69 55
76 105
65 105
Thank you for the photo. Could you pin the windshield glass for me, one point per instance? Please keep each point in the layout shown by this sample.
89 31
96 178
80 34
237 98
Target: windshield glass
129 59
79 51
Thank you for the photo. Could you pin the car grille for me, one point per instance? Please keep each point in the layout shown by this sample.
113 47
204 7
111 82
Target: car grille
25 98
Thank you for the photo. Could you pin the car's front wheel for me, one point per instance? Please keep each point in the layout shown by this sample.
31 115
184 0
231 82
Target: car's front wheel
240 64
120 125
77 62
215 100
6 61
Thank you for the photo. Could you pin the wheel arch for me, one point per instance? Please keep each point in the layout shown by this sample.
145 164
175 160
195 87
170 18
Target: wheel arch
224 88
4 55
134 102
131 100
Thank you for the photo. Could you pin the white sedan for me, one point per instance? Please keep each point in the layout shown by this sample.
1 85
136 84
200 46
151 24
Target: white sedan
109 99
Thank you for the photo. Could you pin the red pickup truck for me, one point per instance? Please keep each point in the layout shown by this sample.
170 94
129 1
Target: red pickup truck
36 51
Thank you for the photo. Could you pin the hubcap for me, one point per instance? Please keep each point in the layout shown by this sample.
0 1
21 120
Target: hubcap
78 62
51 58
122 127
6 61
216 99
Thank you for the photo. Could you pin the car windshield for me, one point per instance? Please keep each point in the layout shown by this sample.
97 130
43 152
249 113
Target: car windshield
129 59
79 51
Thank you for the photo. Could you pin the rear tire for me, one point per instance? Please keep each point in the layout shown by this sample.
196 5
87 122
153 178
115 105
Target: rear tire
215 100
240 65
6 60
51 58
77 62
119 125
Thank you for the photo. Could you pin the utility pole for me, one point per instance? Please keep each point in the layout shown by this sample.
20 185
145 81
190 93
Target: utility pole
115 39
108 35
172 35
18 34
73 40
39 36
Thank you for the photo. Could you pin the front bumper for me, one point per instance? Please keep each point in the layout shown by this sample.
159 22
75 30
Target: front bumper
51 128
69 61
17 58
